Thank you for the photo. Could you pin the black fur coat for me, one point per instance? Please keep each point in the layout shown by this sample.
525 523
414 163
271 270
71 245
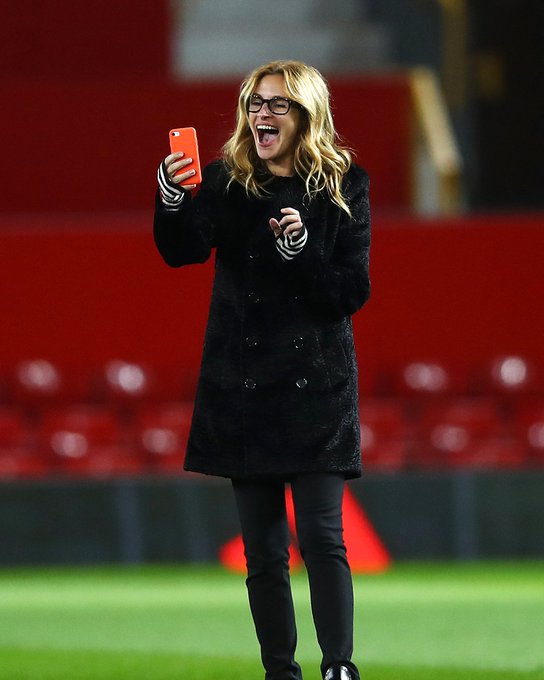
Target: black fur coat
277 392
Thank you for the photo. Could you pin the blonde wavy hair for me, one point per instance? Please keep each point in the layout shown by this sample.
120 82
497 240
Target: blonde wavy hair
319 160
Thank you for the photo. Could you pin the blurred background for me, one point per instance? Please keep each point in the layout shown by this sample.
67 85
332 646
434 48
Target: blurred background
101 342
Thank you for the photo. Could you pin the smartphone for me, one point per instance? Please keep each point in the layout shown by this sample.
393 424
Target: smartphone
184 139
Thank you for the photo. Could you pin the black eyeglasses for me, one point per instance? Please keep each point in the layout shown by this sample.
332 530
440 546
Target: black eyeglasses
279 106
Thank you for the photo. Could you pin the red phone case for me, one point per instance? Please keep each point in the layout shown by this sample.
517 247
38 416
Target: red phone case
185 140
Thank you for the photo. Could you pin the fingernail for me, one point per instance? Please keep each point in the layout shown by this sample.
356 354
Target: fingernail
193 172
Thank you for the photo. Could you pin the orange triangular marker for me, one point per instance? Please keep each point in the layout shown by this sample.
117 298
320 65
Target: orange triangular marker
231 555
366 552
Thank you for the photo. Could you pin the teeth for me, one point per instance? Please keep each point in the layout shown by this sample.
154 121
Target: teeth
267 127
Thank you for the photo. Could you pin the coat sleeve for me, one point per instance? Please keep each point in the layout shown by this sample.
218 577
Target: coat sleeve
340 286
188 234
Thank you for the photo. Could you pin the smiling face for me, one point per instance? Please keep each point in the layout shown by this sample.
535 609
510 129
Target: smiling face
275 136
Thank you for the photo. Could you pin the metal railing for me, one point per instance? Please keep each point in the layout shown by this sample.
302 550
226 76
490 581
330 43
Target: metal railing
436 161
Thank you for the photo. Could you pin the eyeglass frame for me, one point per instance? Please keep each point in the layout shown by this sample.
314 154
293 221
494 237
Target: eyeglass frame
264 101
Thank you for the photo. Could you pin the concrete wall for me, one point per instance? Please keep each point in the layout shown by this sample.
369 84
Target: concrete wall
419 516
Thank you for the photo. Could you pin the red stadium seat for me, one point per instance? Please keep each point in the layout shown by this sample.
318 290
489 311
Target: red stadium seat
466 432
14 429
509 378
424 378
104 461
386 417
22 462
491 452
509 374
385 434
384 456
480 416
421 382
162 432
127 381
4 393
530 426
18 454
37 383
128 384
89 440
98 424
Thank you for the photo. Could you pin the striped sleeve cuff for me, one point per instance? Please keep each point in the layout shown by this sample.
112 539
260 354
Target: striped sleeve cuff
289 245
171 195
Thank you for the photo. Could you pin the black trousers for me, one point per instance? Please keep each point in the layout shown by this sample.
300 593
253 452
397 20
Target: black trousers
317 499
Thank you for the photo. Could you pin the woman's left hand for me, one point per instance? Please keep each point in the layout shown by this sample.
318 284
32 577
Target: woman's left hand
290 223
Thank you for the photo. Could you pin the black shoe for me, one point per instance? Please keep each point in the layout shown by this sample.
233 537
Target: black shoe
337 673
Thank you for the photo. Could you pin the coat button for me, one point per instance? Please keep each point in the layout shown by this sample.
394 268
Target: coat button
250 384
253 297
298 342
301 383
253 255
252 342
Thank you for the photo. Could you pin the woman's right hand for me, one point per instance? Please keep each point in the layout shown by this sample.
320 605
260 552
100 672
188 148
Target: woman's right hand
171 188
175 162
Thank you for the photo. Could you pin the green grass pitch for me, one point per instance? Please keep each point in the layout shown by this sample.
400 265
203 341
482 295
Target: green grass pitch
479 621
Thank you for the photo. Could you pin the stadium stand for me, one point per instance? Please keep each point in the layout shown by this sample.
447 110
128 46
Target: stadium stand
161 431
87 440
101 346
386 433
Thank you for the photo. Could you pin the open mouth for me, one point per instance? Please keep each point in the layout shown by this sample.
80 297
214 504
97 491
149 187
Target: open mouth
267 134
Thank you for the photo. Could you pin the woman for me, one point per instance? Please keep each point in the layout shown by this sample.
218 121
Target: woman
287 213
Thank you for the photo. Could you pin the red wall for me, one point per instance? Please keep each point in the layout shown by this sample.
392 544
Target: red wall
83 290
96 145
86 106
77 40
87 102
